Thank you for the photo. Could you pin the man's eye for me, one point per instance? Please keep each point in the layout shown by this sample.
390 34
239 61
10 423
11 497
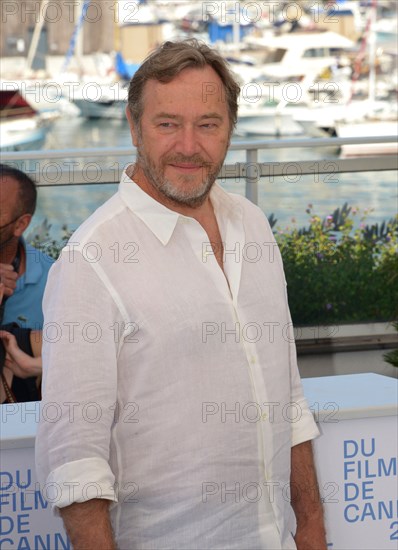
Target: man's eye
166 124
209 125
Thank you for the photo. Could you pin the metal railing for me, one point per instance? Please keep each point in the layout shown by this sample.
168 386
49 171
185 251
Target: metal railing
67 171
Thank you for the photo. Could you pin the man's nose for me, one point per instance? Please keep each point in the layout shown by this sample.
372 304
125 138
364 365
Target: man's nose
188 142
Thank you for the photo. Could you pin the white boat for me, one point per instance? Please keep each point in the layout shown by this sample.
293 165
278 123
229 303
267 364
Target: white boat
101 101
267 120
46 96
352 112
291 57
21 126
282 84
21 135
381 118
370 128
339 114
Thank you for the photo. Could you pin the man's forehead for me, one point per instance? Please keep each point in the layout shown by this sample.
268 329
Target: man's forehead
204 83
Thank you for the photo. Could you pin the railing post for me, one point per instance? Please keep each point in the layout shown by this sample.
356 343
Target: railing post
252 175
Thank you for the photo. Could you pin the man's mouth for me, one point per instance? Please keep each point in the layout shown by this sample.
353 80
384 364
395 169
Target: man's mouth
187 167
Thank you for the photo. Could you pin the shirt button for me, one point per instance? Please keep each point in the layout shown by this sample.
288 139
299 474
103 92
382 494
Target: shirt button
252 360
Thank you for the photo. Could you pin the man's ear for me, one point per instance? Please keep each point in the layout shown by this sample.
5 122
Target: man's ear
22 224
133 130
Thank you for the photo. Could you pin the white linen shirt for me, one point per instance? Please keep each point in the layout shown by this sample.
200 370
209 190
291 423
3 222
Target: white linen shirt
170 387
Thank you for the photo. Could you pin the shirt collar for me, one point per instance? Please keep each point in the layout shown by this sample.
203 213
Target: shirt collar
160 219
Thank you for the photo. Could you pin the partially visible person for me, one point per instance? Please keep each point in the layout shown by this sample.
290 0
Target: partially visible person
20 362
17 360
23 269
23 276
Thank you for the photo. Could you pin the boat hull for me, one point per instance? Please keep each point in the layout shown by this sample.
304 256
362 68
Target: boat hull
370 129
101 109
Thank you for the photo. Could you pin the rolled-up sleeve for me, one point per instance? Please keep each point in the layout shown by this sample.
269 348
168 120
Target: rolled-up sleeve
79 382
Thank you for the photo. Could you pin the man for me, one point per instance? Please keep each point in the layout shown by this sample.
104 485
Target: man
159 384
23 269
23 276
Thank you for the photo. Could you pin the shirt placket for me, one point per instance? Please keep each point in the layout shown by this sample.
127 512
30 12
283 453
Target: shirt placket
234 257
228 283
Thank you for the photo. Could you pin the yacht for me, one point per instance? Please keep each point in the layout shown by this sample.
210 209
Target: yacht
21 126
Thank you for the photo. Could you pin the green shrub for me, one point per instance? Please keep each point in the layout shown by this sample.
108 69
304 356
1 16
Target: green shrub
392 355
40 238
336 273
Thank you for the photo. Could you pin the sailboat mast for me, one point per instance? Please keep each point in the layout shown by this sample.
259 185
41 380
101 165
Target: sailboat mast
372 53
78 5
36 35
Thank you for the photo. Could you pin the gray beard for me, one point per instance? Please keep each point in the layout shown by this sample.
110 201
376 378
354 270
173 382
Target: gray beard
189 195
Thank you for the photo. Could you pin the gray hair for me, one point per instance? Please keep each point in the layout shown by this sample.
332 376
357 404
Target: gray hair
168 60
